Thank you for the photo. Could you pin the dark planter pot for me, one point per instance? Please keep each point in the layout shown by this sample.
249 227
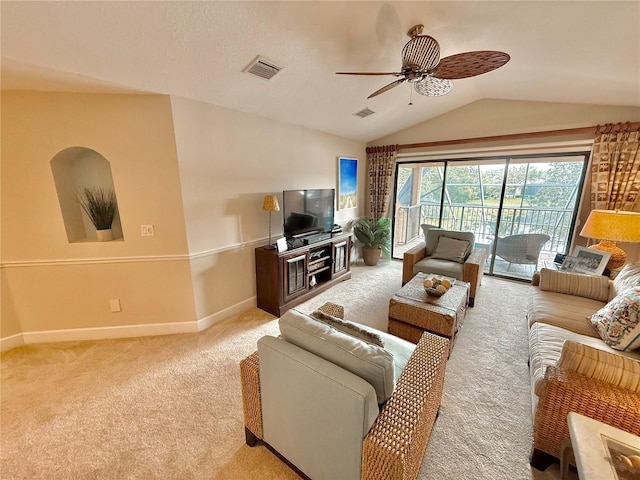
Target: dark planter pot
371 255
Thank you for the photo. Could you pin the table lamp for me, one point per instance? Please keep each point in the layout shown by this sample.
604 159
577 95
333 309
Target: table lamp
270 204
611 226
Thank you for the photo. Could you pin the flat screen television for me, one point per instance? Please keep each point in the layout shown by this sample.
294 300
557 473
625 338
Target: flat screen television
307 212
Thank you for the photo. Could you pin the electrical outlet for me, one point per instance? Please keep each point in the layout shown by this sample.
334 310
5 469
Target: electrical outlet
147 230
115 306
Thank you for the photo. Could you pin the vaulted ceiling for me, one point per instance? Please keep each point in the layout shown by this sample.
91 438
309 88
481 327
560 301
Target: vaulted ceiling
569 52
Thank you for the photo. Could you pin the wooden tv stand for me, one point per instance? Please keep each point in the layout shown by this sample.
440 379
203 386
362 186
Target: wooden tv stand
286 279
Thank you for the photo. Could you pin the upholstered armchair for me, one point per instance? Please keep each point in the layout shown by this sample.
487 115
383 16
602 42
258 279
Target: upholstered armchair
449 253
313 395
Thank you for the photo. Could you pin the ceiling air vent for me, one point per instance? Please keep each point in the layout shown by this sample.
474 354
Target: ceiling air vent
364 113
263 68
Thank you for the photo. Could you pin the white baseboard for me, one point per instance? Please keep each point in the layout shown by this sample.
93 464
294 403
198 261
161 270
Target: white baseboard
11 342
212 319
103 333
125 331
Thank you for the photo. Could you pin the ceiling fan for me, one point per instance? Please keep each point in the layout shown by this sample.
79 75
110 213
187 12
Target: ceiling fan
430 75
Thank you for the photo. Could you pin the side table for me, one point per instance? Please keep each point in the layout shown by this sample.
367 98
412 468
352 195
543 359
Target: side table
595 446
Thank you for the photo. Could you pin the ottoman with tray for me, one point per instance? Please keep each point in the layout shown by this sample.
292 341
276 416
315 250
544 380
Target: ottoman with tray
412 311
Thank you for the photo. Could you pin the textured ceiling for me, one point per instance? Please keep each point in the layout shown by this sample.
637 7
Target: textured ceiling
570 52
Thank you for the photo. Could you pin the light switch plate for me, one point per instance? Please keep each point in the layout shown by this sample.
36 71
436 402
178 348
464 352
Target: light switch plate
115 306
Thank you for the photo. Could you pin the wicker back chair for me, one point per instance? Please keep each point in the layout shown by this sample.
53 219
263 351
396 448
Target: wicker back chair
416 259
522 249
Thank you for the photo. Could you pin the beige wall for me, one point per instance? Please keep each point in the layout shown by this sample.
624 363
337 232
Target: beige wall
197 172
50 284
228 161
502 117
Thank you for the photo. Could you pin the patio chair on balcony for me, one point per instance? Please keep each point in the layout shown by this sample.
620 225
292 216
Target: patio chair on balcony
523 249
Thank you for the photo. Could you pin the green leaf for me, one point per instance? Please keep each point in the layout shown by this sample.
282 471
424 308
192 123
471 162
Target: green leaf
374 234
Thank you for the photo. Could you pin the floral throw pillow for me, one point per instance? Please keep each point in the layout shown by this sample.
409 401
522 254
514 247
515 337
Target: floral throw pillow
618 322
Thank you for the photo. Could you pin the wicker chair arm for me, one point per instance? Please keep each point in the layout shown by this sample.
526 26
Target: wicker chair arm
535 279
476 257
394 447
251 401
410 258
333 309
567 391
474 269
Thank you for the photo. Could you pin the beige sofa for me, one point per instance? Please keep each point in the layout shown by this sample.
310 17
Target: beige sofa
572 366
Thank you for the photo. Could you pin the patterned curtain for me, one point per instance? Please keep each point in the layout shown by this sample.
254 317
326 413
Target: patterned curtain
615 167
382 161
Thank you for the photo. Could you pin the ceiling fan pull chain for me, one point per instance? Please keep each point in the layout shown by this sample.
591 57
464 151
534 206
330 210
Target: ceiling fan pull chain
411 96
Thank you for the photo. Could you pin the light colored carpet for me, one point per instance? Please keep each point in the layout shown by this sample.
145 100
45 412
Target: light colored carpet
170 407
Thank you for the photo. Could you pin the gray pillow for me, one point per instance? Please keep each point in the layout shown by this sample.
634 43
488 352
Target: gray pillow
348 328
451 249
370 362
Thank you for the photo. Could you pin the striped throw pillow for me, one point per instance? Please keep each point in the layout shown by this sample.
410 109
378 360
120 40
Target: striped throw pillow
595 287
606 366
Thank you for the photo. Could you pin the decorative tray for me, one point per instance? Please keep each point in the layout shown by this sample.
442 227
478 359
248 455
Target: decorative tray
625 459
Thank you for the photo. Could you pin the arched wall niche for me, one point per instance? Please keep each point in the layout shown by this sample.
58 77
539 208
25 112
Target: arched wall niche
74 169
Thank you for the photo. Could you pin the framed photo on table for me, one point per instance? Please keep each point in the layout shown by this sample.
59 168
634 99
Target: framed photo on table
589 261
569 264
281 244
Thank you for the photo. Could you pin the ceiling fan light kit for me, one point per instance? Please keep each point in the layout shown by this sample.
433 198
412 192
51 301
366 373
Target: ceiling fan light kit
433 87
432 76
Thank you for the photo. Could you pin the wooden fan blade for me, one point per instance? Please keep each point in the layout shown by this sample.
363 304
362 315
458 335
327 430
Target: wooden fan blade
387 87
470 64
421 51
397 74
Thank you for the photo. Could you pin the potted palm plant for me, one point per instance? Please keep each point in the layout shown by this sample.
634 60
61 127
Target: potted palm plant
100 206
375 238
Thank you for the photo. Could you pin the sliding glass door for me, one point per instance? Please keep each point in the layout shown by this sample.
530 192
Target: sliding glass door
521 209
418 200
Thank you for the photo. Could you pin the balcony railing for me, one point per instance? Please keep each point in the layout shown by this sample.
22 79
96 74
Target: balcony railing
482 222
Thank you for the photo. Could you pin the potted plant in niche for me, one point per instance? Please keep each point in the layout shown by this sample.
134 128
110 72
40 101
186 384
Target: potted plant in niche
375 238
100 206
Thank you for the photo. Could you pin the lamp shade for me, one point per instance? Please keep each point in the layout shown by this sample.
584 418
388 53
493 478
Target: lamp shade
270 203
612 225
